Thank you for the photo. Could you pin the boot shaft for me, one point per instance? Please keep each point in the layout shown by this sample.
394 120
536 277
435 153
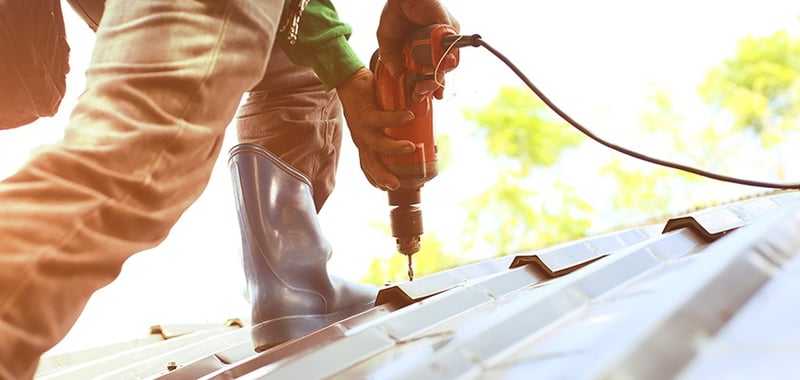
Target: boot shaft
282 244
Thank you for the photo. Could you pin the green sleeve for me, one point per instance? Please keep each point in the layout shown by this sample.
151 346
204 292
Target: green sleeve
322 44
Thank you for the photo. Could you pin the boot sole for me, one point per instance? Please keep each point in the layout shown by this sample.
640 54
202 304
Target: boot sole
271 333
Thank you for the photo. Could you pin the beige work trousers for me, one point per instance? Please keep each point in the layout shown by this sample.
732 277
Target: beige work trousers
165 79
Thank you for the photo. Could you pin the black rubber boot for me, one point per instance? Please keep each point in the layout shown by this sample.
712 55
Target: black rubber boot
284 253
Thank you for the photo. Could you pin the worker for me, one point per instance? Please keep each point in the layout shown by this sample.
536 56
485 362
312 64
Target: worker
164 81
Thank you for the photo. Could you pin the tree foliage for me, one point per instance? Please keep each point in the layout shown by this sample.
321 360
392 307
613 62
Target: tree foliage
525 138
517 126
759 86
513 217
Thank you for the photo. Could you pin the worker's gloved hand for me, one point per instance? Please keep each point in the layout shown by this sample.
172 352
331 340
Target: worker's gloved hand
398 20
366 122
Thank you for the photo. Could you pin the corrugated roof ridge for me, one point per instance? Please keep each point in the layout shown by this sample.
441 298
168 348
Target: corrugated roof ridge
161 363
663 217
539 308
102 366
568 257
51 363
733 270
660 219
764 331
354 343
406 293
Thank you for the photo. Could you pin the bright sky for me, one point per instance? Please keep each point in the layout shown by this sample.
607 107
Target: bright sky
597 60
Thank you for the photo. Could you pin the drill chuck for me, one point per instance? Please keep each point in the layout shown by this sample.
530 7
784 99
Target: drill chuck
406 219
408 245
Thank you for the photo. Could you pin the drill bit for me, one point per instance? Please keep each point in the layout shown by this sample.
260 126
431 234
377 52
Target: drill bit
408 246
410 269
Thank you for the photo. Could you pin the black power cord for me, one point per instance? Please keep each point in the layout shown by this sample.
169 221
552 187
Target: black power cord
476 41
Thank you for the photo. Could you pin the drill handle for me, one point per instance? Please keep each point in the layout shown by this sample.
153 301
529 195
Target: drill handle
391 93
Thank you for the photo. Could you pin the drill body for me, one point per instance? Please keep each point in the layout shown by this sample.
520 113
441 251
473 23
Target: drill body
425 53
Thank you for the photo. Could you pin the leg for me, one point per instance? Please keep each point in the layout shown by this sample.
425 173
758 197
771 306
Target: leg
291 115
278 191
165 79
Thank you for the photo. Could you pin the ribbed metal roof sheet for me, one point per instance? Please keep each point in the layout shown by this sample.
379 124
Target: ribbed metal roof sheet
706 295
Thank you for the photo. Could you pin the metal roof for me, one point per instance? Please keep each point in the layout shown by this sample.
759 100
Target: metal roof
710 294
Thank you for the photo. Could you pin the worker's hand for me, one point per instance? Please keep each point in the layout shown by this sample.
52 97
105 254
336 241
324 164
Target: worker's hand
398 20
366 122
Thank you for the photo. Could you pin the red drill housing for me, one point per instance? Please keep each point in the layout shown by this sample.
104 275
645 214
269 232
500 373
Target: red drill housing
423 55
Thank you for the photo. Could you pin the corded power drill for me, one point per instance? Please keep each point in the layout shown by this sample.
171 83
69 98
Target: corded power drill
430 50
